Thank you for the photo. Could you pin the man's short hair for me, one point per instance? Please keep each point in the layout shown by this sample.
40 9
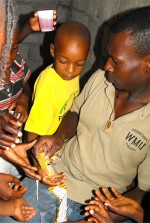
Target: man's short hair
136 21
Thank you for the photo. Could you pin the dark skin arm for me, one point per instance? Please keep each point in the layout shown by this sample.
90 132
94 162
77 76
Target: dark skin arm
66 130
32 25
20 105
29 27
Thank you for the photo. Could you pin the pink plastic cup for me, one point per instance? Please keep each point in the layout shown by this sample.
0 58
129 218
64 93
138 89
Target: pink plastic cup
46 20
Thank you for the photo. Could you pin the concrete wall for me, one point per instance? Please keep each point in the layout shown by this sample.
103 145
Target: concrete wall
92 13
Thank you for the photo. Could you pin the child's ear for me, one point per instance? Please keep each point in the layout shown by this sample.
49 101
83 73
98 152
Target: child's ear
52 51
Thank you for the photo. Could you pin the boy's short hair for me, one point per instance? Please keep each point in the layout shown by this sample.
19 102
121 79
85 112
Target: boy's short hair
74 28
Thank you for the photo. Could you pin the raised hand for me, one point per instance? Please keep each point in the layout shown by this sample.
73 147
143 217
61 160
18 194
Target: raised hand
34 21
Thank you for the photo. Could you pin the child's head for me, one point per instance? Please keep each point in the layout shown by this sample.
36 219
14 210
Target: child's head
71 49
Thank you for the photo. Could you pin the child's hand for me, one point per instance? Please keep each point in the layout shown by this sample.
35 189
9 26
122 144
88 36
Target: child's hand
19 156
34 21
22 212
121 205
6 191
97 212
54 180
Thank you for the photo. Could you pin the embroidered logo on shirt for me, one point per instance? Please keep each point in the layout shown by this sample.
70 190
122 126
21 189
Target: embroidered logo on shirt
135 140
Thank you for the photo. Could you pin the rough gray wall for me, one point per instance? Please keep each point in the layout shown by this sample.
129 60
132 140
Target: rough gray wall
92 13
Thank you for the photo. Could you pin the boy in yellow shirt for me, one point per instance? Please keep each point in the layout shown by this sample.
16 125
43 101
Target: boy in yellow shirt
58 85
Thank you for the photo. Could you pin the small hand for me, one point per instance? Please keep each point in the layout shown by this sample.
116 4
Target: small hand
8 130
34 21
120 204
54 180
98 211
6 192
20 110
18 155
22 212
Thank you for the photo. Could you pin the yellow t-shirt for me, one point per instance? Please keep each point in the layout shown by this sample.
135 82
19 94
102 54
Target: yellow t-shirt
52 97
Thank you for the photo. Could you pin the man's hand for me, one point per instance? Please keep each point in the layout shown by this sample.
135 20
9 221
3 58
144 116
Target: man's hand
53 144
6 192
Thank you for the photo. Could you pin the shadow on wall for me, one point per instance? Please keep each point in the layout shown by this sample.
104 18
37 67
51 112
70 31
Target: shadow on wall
99 50
46 56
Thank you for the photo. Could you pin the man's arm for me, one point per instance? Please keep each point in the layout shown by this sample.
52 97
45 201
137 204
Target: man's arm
68 126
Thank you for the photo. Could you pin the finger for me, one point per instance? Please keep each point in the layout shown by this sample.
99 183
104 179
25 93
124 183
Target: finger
116 193
35 14
107 193
7 140
92 207
19 193
37 148
97 217
92 219
28 208
24 164
26 146
95 202
7 146
12 179
10 119
100 196
50 152
32 174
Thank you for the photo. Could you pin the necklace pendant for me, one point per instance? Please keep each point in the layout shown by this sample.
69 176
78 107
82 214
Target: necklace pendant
108 126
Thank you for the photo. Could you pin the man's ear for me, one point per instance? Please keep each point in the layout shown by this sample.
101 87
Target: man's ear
52 51
146 64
